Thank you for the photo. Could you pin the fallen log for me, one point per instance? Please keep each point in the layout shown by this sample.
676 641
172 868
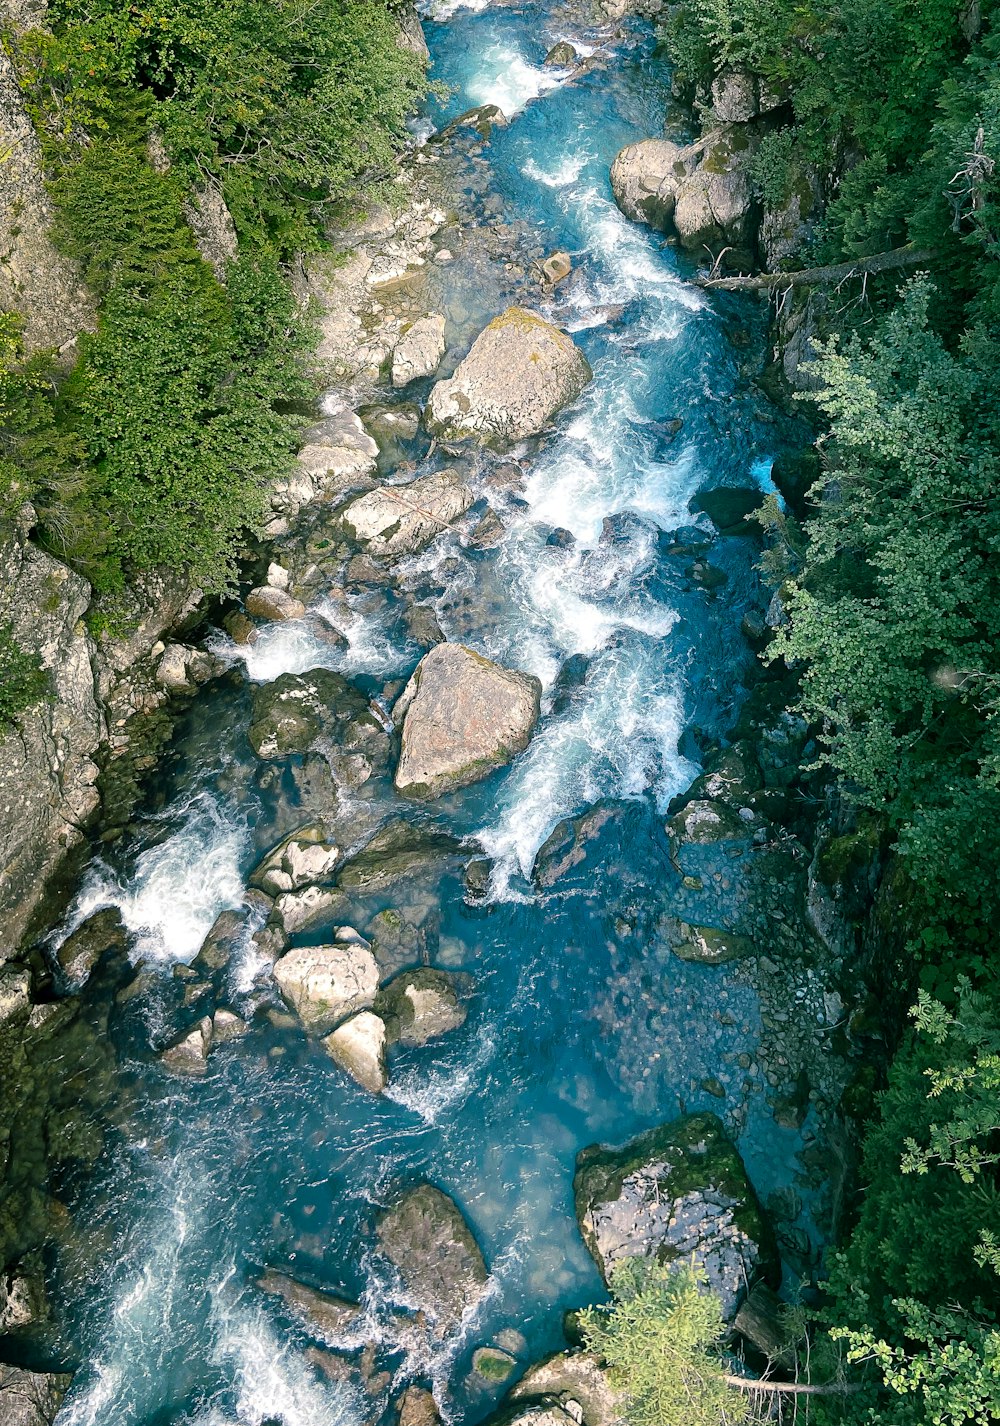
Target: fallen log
813 276
793 1388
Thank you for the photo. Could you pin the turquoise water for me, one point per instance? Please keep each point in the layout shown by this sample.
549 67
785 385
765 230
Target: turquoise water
582 1026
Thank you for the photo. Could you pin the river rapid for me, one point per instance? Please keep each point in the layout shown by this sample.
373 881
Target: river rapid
583 1026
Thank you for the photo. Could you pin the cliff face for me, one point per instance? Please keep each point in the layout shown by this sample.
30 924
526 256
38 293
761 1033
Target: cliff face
35 280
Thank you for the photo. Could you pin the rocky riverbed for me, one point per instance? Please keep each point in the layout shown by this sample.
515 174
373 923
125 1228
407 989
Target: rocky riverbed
473 933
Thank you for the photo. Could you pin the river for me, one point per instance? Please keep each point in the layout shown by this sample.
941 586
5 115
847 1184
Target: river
583 1026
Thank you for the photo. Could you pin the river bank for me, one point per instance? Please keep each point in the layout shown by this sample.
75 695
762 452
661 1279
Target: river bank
625 944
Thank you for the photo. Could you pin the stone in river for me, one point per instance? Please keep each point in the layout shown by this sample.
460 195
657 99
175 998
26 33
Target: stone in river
326 984
30 1398
80 952
520 372
676 1190
297 911
398 850
403 519
438 1260
557 267
417 1407
728 508
298 713
274 604
463 716
493 1364
705 821
319 1312
419 350
358 1047
561 55
705 945
573 1377
188 1054
419 1005
302 858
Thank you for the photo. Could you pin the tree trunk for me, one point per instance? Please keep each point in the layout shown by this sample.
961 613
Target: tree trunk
813 276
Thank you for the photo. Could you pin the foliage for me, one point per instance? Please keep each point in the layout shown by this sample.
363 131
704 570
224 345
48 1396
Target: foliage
659 1339
280 104
896 612
23 681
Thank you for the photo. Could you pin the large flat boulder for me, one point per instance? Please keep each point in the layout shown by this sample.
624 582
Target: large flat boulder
520 372
403 519
438 1260
679 1189
30 1398
463 716
326 984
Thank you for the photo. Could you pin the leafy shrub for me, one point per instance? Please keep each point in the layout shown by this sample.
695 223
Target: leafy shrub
659 1339
23 681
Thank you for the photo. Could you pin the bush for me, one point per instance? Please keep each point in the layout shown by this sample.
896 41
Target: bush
23 681
659 1339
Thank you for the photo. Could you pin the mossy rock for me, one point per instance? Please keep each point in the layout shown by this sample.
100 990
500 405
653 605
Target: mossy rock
492 1364
419 1005
398 850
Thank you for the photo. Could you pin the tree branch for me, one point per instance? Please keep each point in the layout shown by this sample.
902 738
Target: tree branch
794 1388
813 276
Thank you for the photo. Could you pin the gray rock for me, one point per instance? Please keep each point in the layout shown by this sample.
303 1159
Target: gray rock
22 1295
706 945
462 716
273 604
561 55
438 1260
213 228
319 1312
411 33
302 858
734 97
520 372
227 1025
419 1005
566 846
188 1054
700 191
398 850
80 952
419 350
417 1407
403 519
326 984
676 1190
30 1398
358 1047
702 822
298 911
573 1378
301 712
338 456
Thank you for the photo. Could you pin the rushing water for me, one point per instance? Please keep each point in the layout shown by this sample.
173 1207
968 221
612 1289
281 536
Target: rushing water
581 1027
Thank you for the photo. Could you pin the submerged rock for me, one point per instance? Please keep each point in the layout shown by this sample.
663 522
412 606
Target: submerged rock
399 849
419 1005
463 716
566 846
80 952
705 945
326 984
429 1242
358 1047
403 519
493 1364
419 350
676 1190
701 822
320 1312
520 372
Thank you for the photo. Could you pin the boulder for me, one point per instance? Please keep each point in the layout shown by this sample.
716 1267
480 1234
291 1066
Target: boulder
398 850
273 604
338 456
438 1260
702 822
419 1005
188 1054
419 350
561 55
318 1312
734 97
319 709
30 1398
519 373
678 1190
326 984
411 33
402 519
462 716
417 1407
80 952
297 911
212 227
22 1295
573 1379
732 777
556 267
729 508
227 1025
700 191
304 857
566 846
358 1047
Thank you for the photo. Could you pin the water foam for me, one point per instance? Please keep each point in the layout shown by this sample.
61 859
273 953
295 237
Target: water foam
178 886
505 78
566 171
